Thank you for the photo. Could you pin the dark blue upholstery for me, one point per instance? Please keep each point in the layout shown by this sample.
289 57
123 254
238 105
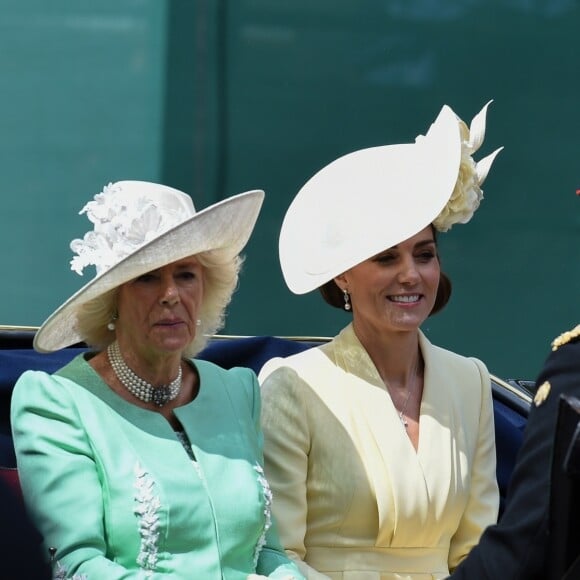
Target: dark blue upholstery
252 351
509 432
13 362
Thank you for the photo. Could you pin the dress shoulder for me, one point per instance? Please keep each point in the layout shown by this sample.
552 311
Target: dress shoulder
295 363
453 360
240 383
232 373
566 337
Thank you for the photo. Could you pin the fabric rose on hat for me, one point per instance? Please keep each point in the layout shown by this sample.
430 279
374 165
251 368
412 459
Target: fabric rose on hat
467 193
120 228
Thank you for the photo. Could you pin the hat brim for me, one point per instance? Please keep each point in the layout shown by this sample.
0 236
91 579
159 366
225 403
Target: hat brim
367 201
226 225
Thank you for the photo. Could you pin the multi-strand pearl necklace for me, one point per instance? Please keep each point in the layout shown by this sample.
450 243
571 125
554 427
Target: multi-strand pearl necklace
143 390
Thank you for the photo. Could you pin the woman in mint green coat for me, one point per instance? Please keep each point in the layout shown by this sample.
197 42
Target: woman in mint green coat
137 460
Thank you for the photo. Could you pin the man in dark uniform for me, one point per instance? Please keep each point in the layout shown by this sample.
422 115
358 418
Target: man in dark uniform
517 548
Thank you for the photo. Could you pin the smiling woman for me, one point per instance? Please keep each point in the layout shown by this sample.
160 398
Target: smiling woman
128 455
380 445
396 289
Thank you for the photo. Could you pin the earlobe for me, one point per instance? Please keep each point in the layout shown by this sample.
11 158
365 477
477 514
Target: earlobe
341 282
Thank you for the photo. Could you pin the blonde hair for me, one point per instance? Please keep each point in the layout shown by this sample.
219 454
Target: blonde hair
220 279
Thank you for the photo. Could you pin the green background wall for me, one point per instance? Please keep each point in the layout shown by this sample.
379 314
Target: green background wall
218 97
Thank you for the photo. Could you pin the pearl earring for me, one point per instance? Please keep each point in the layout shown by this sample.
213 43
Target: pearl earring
198 322
111 326
346 296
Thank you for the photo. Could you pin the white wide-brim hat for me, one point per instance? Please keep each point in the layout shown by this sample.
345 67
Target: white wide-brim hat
139 227
372 199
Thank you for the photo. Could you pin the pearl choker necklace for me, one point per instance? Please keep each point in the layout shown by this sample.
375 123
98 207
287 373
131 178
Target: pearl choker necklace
137 386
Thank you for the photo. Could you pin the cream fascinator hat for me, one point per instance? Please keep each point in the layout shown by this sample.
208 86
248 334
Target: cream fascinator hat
372 199
139 227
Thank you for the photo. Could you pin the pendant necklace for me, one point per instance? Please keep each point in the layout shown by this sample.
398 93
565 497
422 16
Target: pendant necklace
402 416
137 386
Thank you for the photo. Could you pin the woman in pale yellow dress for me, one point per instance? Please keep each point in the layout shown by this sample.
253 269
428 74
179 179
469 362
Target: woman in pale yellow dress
379 445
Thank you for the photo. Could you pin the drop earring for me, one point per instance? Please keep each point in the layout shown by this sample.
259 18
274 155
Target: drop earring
346 295
198 322
111 326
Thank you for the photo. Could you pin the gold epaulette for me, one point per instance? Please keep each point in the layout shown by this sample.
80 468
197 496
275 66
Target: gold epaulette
565 337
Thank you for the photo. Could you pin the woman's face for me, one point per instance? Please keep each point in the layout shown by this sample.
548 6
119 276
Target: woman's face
158 311
396 289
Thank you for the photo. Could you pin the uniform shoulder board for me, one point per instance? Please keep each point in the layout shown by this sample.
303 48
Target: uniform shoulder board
566 337
542 393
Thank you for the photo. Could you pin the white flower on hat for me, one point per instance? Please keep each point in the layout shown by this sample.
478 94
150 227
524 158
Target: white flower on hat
120 228
467 193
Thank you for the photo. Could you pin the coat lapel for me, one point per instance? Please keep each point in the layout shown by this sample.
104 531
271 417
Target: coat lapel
385 448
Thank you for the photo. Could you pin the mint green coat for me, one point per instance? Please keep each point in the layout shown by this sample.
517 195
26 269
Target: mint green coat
110 486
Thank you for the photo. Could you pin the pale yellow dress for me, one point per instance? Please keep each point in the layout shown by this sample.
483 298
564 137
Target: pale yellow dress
352 498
